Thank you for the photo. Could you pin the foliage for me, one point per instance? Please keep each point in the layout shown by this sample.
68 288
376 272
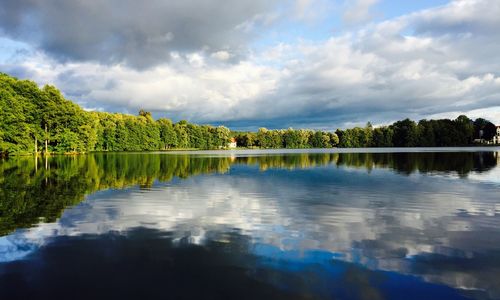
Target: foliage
32 117
426 133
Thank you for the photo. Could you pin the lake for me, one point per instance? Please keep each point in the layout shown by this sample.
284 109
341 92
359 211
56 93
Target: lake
312 224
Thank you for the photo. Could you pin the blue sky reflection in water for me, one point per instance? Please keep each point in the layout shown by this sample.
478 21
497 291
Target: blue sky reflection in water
296 225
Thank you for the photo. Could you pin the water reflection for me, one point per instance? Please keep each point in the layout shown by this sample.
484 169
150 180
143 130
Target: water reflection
32 191
295 225
225 267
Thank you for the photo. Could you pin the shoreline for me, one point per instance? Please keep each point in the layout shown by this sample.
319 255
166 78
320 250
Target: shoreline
242 150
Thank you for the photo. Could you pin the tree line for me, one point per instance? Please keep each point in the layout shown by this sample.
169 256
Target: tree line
406 133
34 119
426 133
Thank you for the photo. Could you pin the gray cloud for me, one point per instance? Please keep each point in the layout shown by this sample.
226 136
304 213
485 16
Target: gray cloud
459 17
137 33
427 63
439 62
359 11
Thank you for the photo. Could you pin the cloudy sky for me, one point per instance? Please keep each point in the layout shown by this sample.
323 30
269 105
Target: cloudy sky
249 63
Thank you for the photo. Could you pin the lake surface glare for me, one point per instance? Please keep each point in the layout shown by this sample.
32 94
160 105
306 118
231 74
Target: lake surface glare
300 224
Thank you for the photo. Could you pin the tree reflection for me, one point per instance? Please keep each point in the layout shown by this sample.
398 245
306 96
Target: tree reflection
34 190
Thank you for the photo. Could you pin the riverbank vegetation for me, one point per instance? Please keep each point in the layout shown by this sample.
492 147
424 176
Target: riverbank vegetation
34 120
406 133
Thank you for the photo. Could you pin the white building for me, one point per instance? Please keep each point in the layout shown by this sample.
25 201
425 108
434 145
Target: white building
232 143
496 138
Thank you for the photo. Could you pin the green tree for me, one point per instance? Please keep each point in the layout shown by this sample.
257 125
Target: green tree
168 137
405 133
33 118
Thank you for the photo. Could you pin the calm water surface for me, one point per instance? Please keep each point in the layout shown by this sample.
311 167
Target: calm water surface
252 225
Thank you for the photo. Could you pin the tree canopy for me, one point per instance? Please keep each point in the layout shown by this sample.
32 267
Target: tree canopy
41 119
31 116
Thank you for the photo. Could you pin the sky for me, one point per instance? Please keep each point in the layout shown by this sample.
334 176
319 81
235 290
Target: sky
320 64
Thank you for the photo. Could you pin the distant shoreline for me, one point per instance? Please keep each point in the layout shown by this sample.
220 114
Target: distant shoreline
36 120
243 151
489 148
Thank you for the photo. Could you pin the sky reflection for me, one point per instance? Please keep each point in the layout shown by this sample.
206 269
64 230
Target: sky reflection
428 227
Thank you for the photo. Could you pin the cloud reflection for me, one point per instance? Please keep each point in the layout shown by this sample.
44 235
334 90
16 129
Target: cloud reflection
432 224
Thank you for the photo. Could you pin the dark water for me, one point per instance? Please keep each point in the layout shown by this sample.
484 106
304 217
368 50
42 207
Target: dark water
223 225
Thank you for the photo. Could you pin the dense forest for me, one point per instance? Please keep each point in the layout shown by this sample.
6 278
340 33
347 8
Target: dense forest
406 133
34 119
